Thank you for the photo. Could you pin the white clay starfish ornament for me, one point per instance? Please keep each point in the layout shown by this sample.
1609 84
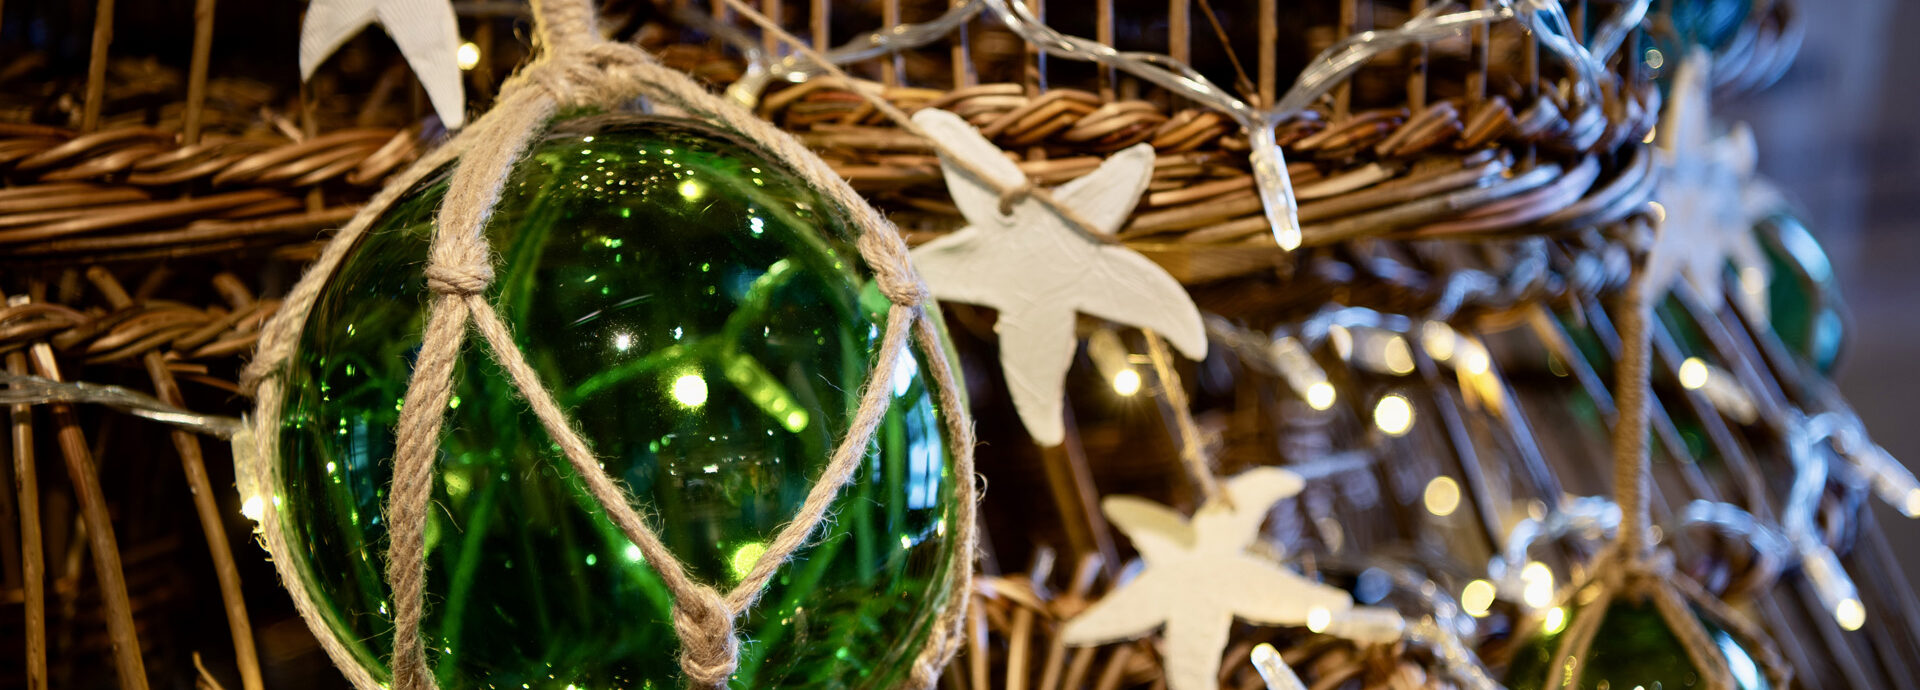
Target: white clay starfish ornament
1703 188
1038 271
1199 576
424 30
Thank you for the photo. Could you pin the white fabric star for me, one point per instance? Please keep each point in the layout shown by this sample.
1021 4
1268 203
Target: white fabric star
1199 577
1709 220
1038 272
424 30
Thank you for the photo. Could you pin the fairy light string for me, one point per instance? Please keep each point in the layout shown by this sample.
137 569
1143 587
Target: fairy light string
1332 67
579 67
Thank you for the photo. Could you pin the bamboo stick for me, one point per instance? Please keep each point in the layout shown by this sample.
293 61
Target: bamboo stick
1473 475
962 56
1180 30
97 65
977 642
1477 78
1269 51
1343 94
1417 78
99 527
1070 480
1103 32
769 43
193 462
890 66
820 21
1036 59
33 567
1019 648
197 70
10 531
1056 662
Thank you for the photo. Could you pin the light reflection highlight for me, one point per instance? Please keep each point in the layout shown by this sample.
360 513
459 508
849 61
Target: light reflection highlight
467 56
1393 414
690 390
1850 614
1555 621
1442 496
1477 598
1318 618
1693 373
1320 396
1539 584
1397 357
743 558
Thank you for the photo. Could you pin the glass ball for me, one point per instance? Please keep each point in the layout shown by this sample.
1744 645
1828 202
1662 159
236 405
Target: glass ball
1634 647
703 316
1804 302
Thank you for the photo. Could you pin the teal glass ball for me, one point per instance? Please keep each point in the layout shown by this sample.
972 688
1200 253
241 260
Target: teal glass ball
703 316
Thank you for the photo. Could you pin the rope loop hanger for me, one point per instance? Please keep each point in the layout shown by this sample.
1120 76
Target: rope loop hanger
576 67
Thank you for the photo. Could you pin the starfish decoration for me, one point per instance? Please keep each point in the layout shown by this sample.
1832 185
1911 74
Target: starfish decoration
1199 576
1038 271
1709 217
423 29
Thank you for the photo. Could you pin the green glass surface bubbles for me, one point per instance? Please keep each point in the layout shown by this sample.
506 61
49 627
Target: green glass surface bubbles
704 317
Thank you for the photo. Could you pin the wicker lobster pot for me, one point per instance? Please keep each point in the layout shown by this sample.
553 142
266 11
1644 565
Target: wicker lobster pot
1470 180
1453 182
1448 180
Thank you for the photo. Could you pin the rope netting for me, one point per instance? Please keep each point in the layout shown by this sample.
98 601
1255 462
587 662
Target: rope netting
1631 569
577 68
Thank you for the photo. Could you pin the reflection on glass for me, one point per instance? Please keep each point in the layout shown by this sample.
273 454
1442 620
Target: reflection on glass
705 319
1634 647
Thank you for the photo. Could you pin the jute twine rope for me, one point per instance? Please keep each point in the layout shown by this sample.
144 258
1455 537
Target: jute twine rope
1631 568
1009 194
1193 451
579 68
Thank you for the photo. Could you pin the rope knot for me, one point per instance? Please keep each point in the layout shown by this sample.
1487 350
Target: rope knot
709 652
459 281
589 74
1014 195
892 270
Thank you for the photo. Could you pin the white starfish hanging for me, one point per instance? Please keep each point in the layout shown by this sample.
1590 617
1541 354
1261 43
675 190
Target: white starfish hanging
1199 576
424 30
1037 271
1709 220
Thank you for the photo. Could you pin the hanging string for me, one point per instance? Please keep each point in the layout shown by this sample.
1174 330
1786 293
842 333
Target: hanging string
1333 66
1193 445
1193 451
577 67
893 113
1631 464
1638 574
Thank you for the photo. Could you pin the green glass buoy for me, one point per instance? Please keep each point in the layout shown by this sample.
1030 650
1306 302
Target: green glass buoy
1805 304
1634 647
704 317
